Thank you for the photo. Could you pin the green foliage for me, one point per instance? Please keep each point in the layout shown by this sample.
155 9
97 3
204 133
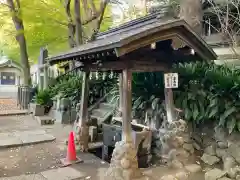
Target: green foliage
209 92
43 97
206 93
45 24
70 86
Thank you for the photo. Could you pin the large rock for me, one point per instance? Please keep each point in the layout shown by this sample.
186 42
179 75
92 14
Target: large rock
210 150
222 145
228 162
196 146
214 174
210 160
176 164
234 150
224 178
233 172
193 168
182 175
188 147
221 152
238 177
220 134
168 177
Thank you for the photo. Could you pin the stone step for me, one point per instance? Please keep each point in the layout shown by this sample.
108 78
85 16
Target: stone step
99 119
106 106
45 120
99 113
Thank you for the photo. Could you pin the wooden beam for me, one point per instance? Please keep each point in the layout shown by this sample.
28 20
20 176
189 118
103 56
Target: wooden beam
138 65
142 42
84 99
127 106
169 105
120 93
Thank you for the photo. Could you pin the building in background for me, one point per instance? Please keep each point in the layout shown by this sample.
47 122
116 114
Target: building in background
10 77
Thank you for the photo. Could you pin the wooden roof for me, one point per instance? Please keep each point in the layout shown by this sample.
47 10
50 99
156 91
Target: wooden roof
129 37
5 62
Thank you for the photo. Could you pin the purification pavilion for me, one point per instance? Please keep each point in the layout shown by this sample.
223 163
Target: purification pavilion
144 45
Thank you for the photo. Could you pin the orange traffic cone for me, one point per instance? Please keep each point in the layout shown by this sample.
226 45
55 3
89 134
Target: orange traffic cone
71 153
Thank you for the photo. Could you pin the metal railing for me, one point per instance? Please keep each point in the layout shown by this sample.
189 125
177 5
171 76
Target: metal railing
24 96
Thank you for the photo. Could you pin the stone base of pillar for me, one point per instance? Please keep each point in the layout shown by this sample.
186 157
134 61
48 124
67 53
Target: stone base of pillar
176 145
83 137
124 163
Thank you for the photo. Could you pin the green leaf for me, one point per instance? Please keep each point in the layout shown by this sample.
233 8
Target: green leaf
195 112
155 102
225 115
238 125
214 102
213 112
231 125
188 114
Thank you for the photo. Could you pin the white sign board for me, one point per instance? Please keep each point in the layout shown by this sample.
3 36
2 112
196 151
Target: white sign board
171 80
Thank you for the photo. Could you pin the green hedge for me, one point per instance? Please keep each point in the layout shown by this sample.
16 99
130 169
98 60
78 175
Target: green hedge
209 92
70 86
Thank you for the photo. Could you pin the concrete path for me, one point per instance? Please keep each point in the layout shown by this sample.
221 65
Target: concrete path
66 173
20 138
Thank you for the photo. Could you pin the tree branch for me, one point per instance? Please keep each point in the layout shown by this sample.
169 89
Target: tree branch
87 11
99 22
98 13
94 10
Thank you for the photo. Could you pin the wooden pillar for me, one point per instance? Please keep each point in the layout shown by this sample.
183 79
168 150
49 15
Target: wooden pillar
169 104
84 99
127 105
120 93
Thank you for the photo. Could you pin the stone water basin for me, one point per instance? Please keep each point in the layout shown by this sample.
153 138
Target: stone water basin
112 133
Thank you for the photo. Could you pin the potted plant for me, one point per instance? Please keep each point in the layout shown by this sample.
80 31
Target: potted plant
43 100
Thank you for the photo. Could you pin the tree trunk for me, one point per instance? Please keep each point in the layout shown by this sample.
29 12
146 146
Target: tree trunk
18 23
191 11
79 33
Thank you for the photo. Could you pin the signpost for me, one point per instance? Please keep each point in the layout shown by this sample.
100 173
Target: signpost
170 81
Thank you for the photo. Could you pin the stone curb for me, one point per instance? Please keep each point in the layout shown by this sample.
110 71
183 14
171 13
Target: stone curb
25 144
19 142
65 173
14 113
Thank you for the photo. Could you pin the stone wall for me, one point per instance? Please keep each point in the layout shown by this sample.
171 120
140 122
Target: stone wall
208 149
221 153
173 145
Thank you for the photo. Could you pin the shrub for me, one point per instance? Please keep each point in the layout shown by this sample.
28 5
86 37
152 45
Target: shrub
70 86
209 92
43 98
206 93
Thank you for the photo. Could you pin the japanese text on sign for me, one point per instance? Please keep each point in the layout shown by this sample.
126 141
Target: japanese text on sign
171 80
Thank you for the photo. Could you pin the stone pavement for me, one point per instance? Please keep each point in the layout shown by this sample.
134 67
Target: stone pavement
19 138
66 173
78 173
